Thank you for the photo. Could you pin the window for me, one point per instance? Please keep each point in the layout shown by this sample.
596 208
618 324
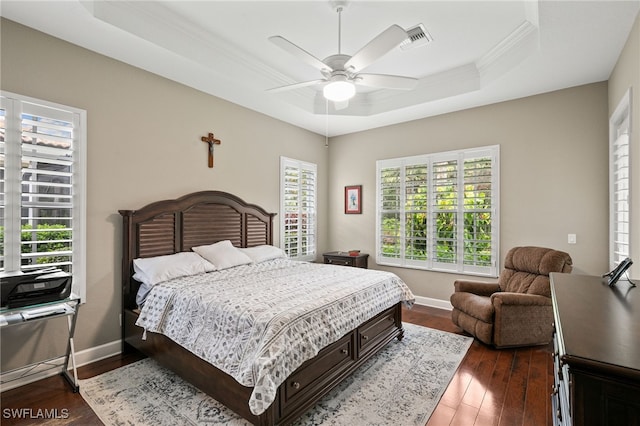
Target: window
42 182
619 182
298 182
439 211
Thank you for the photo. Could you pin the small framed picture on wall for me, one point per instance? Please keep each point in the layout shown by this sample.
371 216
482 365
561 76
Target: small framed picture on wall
353 199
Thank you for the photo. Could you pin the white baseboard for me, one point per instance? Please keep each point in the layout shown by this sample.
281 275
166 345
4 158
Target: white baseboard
434 303
32 373
97 353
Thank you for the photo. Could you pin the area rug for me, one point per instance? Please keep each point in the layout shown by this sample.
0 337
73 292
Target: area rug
401 385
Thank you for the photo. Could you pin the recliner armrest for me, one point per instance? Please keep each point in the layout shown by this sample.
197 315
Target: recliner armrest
521 319
476 287
521 299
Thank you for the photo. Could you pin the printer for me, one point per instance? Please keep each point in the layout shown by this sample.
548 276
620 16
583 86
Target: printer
20 289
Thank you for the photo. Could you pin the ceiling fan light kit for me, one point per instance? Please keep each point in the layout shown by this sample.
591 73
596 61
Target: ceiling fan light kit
339 90
342 73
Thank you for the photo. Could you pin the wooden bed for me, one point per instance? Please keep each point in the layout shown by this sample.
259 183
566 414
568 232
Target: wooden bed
206 217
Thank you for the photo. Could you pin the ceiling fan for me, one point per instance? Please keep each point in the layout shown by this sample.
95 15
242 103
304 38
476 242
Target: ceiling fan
341 73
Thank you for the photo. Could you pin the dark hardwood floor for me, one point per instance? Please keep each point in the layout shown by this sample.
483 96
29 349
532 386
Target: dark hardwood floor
492 387
504 387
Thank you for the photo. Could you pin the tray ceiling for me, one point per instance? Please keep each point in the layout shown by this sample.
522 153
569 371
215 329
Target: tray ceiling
482 52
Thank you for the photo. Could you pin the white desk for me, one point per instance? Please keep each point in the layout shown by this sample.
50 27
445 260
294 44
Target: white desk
13 317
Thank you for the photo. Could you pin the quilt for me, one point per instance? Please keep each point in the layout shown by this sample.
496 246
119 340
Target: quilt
260 322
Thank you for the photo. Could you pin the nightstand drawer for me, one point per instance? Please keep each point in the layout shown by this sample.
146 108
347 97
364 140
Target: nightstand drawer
344 259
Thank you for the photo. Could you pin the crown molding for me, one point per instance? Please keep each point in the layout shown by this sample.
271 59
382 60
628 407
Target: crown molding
157 24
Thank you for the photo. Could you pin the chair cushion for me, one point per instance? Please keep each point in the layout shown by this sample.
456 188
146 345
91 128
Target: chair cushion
537 260
523 282
527 269
479 307
481 330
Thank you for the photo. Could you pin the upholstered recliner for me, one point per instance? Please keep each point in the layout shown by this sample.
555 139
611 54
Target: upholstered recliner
517 310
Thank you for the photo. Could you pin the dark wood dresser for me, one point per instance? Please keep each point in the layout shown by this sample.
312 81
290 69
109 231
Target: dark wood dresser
596 351
344 259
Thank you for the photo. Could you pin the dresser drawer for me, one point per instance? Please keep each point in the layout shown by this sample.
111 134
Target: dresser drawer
561 390
556 410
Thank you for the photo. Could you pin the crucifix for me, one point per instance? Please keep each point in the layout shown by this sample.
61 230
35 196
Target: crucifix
210 140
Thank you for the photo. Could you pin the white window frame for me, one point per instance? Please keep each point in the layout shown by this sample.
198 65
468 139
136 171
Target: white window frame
14 104
307 253
620 181
404 260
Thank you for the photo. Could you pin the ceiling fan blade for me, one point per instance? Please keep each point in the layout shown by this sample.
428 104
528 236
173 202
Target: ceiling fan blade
376 48
299 52
384 81
295 86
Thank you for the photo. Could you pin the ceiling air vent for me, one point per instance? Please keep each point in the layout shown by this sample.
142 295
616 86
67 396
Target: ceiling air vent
418 36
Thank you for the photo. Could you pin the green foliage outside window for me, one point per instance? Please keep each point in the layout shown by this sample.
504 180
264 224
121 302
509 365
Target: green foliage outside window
49 238
476 216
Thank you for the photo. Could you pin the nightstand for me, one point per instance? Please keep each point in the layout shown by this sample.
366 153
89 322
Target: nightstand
342 258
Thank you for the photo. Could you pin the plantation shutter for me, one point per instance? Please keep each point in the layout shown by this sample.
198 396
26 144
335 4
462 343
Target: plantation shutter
298 206
415 213
620 195
439 211
444 219
5 233
620 184
479 215
389 214
43 199
47 183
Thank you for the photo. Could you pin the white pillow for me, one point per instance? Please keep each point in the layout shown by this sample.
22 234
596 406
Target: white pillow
223 254
263 253
153 270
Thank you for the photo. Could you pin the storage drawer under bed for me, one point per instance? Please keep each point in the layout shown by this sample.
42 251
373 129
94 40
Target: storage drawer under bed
353 348
374 331
334 358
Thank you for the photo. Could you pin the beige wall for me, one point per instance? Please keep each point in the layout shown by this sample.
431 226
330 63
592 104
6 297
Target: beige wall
625 75
144 145
553 150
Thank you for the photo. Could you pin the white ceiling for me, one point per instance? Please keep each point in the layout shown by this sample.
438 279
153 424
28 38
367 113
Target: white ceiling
482 52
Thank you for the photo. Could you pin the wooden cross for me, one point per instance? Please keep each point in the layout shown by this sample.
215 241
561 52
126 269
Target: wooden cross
210 140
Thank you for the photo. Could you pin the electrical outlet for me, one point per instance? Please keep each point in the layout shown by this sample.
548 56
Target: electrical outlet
571 238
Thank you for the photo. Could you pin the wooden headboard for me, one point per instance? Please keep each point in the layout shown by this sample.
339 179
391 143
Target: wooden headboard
172 226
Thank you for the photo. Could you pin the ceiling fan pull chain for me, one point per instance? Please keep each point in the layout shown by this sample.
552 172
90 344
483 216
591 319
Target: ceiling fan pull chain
339 29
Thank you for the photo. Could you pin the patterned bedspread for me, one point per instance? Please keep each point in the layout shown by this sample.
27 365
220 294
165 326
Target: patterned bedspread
260 322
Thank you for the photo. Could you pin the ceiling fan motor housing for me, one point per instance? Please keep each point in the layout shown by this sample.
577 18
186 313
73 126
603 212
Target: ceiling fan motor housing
336 63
